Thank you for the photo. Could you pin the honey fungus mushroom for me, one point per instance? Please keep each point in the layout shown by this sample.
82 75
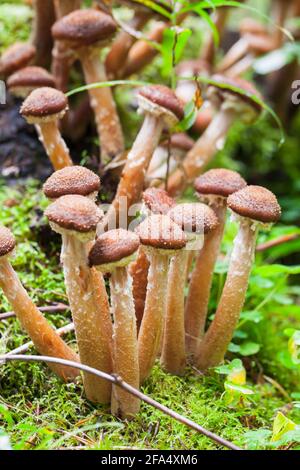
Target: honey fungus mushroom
252 206
44 107
112 252
16 57
24 81
72 180
45 339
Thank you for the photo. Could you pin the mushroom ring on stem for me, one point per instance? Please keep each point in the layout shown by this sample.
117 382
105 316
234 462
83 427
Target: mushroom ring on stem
197 221
111 253
43 336
252 206
232 105
75 218
44 107
161 109
161 239
213 188
87 32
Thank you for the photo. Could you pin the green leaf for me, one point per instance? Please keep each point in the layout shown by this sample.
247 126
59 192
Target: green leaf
245 349
155 7
294 347
190 115
281 426
111 83
173 44
275 269
252 315
257 439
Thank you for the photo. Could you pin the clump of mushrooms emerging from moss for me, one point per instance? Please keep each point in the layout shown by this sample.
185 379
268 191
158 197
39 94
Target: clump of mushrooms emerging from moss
138 282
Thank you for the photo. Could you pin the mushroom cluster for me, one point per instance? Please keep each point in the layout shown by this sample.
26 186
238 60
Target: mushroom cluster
138 276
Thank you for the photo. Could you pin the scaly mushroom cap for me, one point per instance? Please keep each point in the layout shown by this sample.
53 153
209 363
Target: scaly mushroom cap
44 104
71 180
222 88
161 100
219 182
158 201
180 141
22 82
256 203
159 231
84 28
74 212
194 217
16 57
113 249
7 241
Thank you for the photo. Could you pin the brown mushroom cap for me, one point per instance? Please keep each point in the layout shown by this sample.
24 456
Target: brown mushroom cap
194 217
219 182
16 57
7 241
113 246
84 27
74 212
31 77
71 180
44 102
256 203
158 201
180 141
159 231
163 97
223 85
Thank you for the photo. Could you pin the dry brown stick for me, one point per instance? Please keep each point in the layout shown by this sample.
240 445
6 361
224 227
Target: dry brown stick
120 383
60 331
50 308
277 241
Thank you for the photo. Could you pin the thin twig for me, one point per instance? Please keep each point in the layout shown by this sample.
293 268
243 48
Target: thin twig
120 383
277 241
61 331
50 308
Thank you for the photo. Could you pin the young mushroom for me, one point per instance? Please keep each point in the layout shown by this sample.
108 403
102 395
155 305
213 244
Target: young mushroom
75 218
197 221
45 339
16 57
233 99
252 206
213 188
44 107
24 81
87 32
161 109
155 201
161 239
112 253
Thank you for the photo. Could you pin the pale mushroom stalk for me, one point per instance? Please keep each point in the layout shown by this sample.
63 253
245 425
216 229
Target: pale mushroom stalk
200 284
44 107
125 351
103 104
132 180
150 334
116 58
44 338
203 151
139 273
215 342
86 302
235 53
252 206
173 357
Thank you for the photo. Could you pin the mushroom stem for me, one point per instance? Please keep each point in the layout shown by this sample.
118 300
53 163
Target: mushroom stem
90 311
241 66
203 151
150 334
45 339
215 342
133 176
236 53
102 102
173 357
125 350
200 284
54 144
138 270
41 37
220 19
116 58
